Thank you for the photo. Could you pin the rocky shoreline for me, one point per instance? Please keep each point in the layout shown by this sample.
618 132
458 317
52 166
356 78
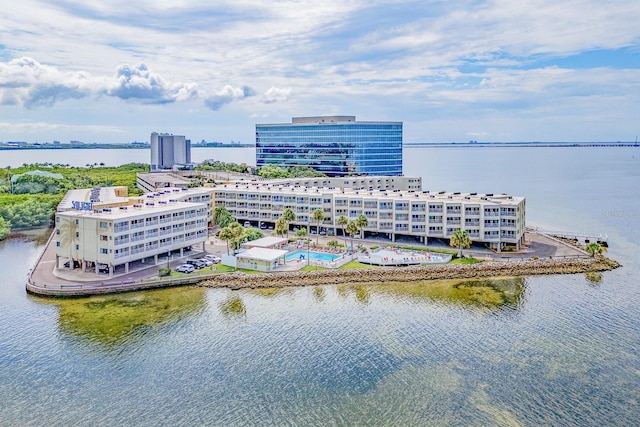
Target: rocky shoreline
530 267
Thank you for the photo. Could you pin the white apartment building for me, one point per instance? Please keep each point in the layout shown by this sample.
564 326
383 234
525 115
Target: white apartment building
168 150
101 227
496 220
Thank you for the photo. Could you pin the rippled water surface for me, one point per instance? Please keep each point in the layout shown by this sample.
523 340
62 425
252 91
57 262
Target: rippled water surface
556 350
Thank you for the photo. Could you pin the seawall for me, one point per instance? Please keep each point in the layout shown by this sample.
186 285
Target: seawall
240 280
529 267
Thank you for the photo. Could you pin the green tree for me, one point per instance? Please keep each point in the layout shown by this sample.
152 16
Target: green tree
222 217
5 228
460 239
288 216
362 222
352 230
226 234
301 233
303 172
281 228
318 217
239 234
343 221
253 233
594 248
273 171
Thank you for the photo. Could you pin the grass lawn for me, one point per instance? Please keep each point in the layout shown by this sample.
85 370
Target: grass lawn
465 261
356 264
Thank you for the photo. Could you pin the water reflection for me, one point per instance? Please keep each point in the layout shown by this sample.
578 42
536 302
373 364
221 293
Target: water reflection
112 322
233 308
593 278
490 294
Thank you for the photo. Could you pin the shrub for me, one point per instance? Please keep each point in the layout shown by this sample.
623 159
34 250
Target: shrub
164 271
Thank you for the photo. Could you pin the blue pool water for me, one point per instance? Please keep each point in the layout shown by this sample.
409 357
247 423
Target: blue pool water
315 256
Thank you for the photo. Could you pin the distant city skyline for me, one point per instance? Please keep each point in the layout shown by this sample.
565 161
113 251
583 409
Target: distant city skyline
450 71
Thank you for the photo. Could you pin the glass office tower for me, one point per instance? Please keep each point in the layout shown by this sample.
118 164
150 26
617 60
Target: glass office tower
335 146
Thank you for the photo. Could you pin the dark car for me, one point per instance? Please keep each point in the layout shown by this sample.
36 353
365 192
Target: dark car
196 263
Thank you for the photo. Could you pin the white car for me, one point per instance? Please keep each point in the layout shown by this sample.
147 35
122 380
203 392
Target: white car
185 268
213 258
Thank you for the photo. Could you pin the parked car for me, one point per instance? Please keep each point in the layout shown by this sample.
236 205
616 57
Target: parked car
185 268
247 224
213 258
103 268
207 262
196 263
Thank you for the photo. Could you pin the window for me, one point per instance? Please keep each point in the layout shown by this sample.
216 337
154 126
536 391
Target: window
77 234
58 244
77 247
103 237
104 251
103 224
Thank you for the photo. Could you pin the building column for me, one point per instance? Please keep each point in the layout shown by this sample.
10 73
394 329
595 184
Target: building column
393 237
57 261
126 267
181 252
111 268
155 259
96 267
204 246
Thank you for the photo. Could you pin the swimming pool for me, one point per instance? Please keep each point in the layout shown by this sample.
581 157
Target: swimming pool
315 256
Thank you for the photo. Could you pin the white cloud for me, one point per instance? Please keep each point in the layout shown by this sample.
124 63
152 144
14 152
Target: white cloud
275 94
26 82
226 95
138 83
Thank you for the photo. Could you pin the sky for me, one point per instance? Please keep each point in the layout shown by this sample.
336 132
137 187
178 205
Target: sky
501 70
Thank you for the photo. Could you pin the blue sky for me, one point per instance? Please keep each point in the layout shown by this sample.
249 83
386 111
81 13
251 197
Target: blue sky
538 70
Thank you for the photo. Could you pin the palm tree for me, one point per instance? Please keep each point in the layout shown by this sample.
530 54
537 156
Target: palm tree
281 228
460 239
362 222
352 229
318 217
238 232
226 234
288 216
222 217
594 248
343 221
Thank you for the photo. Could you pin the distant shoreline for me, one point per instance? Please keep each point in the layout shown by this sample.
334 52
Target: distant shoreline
109 147
519 144
405 145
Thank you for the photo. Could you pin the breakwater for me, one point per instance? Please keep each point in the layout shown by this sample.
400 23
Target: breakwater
530 267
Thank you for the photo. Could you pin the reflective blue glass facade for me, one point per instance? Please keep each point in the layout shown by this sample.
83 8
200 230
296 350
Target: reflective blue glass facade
336 148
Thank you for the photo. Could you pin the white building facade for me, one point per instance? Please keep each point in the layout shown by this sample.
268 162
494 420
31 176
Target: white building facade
496 220
169 150
118 231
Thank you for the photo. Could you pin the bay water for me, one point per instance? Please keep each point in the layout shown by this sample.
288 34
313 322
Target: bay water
554 350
